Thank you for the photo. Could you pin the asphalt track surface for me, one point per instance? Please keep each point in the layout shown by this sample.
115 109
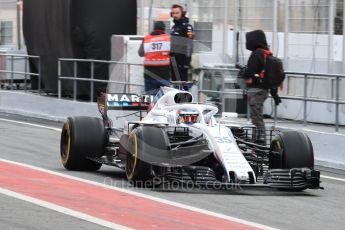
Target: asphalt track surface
16 214
39 146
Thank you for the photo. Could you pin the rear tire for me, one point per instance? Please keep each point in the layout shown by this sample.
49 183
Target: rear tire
295 151
81 138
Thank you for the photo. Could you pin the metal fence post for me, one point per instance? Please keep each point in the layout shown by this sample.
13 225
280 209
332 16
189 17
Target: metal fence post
142 18
150 15
59 80
75 66
25 72
92 83
235 30
18 25
330 56
337 82
286 34
225 30
305 100
286 83
201 84
12 69
275 116
248 108
274 26
343 36
128 78
39 75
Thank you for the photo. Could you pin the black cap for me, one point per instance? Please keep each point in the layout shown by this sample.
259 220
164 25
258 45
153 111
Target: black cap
159 25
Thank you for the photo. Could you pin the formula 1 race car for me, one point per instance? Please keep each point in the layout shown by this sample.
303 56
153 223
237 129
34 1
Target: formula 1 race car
178 140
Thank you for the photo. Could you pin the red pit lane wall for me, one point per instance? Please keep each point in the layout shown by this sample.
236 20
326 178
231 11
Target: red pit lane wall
74 29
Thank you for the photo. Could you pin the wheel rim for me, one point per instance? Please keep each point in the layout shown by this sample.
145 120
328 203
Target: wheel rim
274 160
65 143
132 155
276 145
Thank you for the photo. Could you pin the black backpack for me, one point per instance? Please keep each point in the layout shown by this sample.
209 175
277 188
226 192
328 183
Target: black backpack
273 74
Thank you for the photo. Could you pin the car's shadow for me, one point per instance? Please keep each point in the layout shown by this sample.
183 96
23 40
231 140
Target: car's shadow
113 172
241 192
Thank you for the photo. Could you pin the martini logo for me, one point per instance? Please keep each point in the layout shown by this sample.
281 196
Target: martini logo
128 99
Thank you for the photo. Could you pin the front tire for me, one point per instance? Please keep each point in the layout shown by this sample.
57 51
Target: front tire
81 138
137 171
292 149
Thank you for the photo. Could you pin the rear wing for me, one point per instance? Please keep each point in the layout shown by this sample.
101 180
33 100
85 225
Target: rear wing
121 101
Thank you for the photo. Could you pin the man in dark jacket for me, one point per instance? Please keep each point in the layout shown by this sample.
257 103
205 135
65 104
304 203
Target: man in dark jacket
181 44
257 93
156 52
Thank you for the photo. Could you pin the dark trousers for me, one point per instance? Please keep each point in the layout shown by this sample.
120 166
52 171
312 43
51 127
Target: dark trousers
179 67
256 99
179 74
152 86
155 77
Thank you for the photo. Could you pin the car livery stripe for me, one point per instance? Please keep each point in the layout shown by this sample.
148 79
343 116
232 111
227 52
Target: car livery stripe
111 205
215 147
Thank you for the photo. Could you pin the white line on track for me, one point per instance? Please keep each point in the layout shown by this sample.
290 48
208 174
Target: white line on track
333 178
30 124
312 131
63 210
175 204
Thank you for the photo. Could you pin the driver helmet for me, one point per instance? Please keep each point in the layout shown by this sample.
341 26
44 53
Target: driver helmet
187 117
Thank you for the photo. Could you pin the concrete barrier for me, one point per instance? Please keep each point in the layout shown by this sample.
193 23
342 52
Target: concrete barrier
28 104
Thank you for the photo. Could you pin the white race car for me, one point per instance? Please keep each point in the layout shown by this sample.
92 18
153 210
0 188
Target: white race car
181 141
